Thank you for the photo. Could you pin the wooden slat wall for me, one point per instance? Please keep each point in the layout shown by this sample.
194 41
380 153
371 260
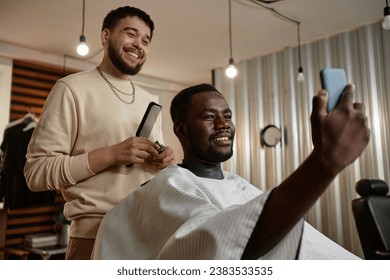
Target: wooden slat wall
31 84
29 220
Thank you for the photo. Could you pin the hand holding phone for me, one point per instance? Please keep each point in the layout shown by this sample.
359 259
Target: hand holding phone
333 80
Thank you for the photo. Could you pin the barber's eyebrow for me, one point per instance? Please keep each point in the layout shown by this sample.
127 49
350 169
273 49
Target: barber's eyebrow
136 30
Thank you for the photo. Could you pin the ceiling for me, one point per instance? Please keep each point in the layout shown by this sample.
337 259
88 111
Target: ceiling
191 37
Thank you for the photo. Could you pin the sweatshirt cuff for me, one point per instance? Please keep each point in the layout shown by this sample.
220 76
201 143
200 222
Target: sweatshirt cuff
79 168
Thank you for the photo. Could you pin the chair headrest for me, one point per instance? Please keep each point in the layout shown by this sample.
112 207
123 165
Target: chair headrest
371 187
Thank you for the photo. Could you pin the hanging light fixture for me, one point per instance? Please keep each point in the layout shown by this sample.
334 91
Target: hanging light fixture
231 70
82 48
262 3
386 20
300 77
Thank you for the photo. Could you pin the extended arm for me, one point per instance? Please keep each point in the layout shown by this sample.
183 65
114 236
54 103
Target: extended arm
339 138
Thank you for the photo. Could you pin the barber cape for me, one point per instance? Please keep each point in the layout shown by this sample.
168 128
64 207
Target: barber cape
178 215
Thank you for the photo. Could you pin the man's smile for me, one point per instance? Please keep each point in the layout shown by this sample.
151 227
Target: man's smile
132 53
222 139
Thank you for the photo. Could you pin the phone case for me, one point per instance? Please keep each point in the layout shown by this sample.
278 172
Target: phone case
148 120
333 80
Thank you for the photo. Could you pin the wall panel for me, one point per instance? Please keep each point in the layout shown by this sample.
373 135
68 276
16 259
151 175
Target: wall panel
31 84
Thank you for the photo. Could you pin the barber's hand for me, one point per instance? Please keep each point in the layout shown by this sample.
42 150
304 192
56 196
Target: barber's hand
134 150
162 159
339 137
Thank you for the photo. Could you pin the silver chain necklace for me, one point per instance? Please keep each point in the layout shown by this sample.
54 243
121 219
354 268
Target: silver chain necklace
116 91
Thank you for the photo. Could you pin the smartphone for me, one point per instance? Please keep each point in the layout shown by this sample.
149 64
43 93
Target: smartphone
333 80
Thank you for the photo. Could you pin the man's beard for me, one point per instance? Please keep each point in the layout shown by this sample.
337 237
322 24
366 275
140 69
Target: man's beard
120 64
208 153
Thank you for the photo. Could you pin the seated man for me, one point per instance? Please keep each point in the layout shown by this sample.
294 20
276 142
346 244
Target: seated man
198 211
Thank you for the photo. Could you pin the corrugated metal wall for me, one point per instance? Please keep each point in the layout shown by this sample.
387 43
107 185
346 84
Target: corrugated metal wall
266 92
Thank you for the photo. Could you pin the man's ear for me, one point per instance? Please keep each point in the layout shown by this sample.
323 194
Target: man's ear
179 130
104 36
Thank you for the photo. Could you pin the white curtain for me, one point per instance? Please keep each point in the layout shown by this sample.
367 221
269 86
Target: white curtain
266 91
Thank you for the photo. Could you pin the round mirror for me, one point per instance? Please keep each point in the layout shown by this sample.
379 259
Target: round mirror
270 136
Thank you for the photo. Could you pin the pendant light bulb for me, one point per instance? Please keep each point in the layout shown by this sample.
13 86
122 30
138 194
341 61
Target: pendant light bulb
386 20
231 70
301 77
82 48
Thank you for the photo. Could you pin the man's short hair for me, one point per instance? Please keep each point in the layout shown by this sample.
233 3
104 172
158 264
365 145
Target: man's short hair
112 18
181 102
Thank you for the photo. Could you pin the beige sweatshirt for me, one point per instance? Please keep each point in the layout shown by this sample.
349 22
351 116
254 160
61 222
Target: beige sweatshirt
82 114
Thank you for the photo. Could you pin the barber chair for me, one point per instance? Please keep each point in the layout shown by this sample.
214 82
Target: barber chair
372 218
